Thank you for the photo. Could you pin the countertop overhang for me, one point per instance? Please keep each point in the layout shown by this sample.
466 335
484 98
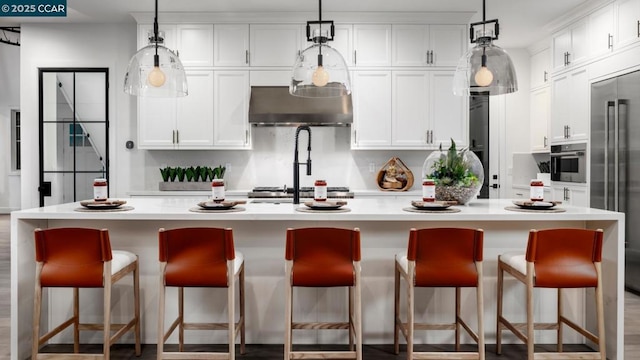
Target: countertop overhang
383 209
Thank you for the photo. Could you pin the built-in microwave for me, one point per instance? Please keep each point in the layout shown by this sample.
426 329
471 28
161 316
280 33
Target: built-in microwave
569 163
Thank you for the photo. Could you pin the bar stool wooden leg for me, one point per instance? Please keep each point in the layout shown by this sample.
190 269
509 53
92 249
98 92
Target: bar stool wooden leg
76 320
37 307
288 313
136 307
358 317
410 320
396 309
530 319
457 322
161 304
480 306
600 309
231 329
351 319
242 319
559 330
181 319
499 310
106 331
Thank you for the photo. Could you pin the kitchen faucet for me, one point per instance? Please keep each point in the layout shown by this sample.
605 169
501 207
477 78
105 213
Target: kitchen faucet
296 163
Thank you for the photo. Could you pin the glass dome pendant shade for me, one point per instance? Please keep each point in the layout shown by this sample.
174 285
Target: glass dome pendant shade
155 71
320 71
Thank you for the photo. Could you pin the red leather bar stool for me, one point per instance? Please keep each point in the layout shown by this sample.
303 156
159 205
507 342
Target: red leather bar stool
555 258
205 258
82 258
440 257
324 257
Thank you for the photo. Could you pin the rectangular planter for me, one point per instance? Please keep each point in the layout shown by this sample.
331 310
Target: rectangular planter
184 185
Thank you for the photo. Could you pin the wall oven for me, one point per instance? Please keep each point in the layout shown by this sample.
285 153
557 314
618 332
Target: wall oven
569 163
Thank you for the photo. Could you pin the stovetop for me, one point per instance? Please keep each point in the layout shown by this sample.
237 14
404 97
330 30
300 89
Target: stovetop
333 192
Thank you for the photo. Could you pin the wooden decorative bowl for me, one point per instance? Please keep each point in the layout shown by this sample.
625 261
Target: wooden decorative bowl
394 175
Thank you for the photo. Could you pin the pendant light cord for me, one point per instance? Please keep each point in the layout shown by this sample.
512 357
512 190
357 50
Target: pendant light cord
320 63
156 58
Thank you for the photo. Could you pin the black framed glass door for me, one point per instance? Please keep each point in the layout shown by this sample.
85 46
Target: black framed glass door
74 136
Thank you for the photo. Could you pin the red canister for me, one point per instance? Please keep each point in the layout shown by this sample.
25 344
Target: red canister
100 190
536 190
428 190
217 190
320 190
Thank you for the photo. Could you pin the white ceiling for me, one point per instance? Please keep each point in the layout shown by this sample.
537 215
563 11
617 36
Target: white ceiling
519 19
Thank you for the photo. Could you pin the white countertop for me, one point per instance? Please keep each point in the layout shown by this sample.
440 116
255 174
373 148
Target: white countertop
243 193
373 209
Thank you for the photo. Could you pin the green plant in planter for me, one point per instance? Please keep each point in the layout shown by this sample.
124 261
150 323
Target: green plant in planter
218 172
180 172
210 173
165 173
453 169
203 172
190 173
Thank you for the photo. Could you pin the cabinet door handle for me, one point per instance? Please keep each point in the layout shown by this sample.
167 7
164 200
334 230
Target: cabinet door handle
544 142
178 53
431 57
355 137
427 57
246 137
355 57
246 57
610 42
568 131
173 136
568 55
544 76
638 26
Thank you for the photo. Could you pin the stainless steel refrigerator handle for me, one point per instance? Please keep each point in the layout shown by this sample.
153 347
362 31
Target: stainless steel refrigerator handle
616 144
608 105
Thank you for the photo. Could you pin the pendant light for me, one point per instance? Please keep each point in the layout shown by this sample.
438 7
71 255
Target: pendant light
486 69
320 70
154 70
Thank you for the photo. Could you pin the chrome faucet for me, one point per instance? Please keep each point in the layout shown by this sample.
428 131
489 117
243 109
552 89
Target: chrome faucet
296 163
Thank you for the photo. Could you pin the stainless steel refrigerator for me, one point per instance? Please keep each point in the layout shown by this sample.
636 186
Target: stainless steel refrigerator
615 160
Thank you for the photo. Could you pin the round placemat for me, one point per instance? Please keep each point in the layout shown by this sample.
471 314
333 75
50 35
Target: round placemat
307 210
427 211
120 208
552 210
208 211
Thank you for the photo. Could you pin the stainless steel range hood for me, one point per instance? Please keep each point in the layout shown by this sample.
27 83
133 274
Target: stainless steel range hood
274 106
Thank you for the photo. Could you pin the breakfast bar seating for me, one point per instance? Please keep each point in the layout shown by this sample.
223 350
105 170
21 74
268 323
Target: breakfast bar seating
440 257
82 258
559 259
200 257
324 257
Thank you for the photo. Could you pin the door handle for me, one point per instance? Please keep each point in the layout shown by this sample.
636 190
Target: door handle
45 188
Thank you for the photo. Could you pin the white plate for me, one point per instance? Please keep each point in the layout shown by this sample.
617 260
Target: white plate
430 205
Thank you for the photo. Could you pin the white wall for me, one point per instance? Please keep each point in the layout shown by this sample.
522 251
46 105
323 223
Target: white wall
9 100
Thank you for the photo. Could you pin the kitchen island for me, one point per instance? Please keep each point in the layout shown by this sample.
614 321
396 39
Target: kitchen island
259 233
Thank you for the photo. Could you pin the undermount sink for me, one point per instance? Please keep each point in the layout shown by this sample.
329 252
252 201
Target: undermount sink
272 201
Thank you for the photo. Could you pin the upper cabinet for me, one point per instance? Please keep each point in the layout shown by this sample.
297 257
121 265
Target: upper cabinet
427 45
274 44
601 31
569 106
540 68
422 113
231 45
627 15
192 43
570 45
372 45
540 118
231 109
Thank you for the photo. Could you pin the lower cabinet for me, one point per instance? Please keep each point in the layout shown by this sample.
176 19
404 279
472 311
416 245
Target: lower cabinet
522 192
407 109
571 194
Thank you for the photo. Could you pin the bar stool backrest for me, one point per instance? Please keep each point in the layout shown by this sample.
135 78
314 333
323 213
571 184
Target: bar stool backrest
323 248
445 257
564 258
196 256
72 257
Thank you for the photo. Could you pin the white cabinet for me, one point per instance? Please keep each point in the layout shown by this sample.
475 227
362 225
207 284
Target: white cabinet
575 195
410 123
570 45
371 109
231 45
372 45
182 123
523 192
422 114
540 68
427 45
449 113
540 117
601 29
569 106
627 13
274 44
146 30
195 44
231 108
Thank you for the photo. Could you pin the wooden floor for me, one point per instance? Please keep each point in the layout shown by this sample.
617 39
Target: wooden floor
264 352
